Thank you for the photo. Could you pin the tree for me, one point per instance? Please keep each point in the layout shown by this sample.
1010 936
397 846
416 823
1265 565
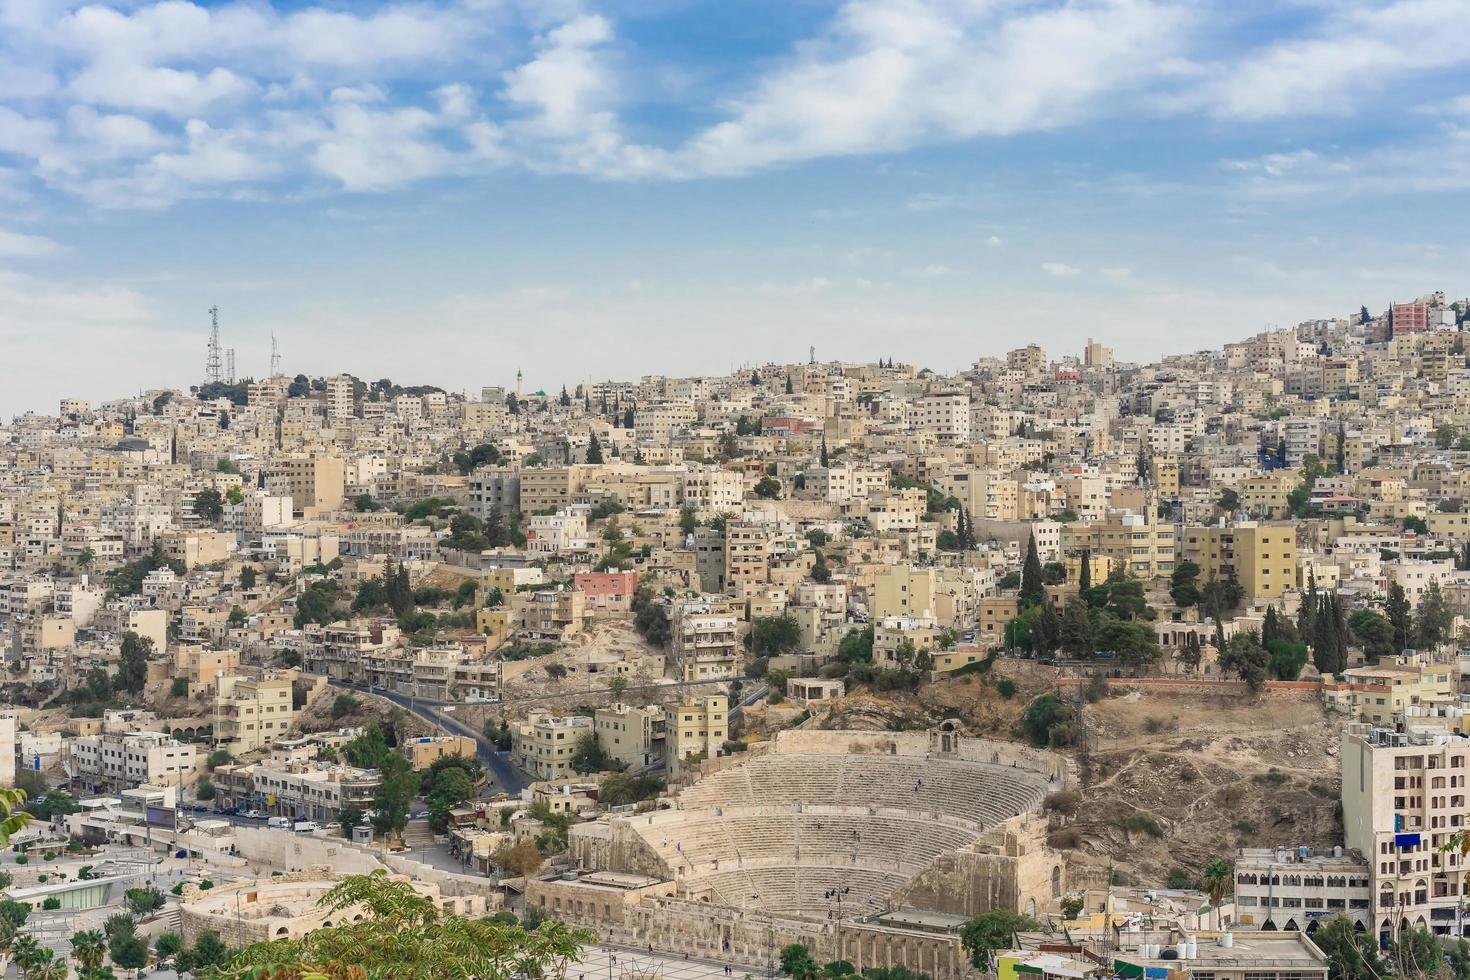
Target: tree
588 756
1182 587
1397 607
168 944
1049 721
1287 659
89 948
1075 633
796 962
1046 634
993 930
1229 501
594 450
404 934
1245 656
519 859
1084 571
1033 591
1373 631
247 577
28 954
397 786
141 901
773 636
132 664
821 572
1416 954
209 504
1217 881
688 521
1433 619
350 817
768 488
1351 955
130 952
617 687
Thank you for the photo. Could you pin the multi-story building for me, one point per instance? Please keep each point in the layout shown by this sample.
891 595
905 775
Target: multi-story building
115 761
297 790
698 727
705 641
543 744
1262 557
1294 890
252 712
628 733
1403 797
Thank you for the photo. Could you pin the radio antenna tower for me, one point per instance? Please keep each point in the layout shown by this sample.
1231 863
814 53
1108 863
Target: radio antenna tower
275 357
213 369
230 364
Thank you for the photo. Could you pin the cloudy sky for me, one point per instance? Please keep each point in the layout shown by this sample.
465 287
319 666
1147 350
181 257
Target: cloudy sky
443 192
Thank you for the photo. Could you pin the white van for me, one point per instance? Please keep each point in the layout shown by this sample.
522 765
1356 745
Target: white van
306 827
279 823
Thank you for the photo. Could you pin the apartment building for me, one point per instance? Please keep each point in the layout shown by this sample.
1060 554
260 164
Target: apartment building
1292 889
314 482
706 641
114 761
1263 557
543 744
698 727
1403 796
316 791
252 712
629 733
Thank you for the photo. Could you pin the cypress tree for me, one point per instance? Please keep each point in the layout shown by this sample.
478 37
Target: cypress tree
594 450
1032 589
1084 573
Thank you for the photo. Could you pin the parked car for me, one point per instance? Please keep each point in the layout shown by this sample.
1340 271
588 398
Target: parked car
252 815
306 827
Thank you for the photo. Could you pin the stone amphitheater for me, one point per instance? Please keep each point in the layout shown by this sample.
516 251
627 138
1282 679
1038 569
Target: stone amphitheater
927 821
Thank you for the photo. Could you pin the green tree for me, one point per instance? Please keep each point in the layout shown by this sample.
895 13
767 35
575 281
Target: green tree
1076 630
132 665
1183 587
617 687
773 636
1351 955
768 488
130 953
1033 590
141 901
796 962
89 948
1433 619
1217 880
588 756
168 944
1399 616
209 504
398 784
1245 656
247 577
1287 659
350 817
1049 721
404 934
994 930
1374 632
594 449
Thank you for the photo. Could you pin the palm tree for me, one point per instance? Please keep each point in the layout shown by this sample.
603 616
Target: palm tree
1218 881
8 931
52 969
29 954
89 948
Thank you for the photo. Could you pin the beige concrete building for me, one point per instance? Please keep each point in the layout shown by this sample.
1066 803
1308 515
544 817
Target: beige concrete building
698 726
250 713
543 744
1262 556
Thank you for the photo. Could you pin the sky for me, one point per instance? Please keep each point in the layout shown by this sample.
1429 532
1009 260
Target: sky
447 192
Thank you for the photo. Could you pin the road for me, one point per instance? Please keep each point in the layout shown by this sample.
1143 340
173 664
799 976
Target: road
503 775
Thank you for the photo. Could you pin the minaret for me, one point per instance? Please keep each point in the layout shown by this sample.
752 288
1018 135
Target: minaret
518 384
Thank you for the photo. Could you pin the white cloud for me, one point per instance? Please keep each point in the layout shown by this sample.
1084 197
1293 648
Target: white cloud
1358 49
890 74
1059 269
995 241
15 245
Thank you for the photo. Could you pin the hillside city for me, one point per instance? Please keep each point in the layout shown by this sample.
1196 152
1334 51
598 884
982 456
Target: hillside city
1060 664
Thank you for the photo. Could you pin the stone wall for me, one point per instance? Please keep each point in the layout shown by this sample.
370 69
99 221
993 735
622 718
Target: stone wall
1010 868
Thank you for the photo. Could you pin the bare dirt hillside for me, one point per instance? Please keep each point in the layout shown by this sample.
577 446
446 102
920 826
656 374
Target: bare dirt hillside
1173 780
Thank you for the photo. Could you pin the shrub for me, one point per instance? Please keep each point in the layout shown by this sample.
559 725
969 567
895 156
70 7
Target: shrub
22 859
1063 801
1097 688
1006 688
51 904
1142 823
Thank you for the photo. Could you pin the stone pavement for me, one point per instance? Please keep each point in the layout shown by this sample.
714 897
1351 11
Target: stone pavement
599 965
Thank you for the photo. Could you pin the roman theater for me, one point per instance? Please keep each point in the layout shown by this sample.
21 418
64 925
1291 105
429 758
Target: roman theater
867 846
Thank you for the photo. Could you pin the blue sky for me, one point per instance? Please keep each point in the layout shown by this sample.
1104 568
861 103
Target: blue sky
444 192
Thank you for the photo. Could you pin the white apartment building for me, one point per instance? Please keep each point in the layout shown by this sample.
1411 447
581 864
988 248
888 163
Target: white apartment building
1403 797
1293 890
946 414
543 745
121 760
